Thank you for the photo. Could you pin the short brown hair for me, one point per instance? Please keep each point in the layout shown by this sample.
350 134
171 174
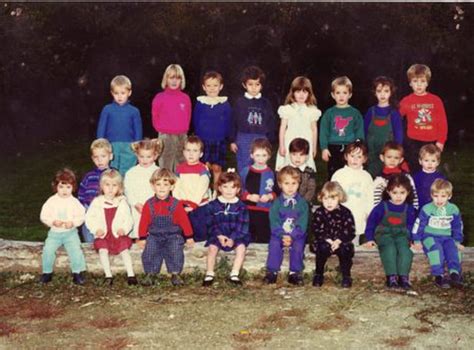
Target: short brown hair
299 145
212 75
392 146
399 180
442 185
289 171
342 81
332 189
229 176
64 176
163 174
155 145
193 139
419 70
261 143
252 73
385 81
355 146
430 149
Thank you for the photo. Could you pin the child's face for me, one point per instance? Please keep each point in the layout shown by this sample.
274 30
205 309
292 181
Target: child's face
301 96
298 158
330 201
419 85
429 163
173 82
289 185
260 157
110 188
440 198
146 157
64 190
121 94
398 195
355 159
101 158
212 87
253 86
162 188
383 93
228 190
192 153
391 158
341 95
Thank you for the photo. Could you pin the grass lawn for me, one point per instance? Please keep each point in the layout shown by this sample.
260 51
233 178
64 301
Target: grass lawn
26 182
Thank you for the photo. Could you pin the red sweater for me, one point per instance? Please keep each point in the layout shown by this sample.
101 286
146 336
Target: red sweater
426 117
180 217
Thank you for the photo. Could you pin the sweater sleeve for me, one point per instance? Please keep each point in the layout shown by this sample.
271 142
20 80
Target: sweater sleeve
228 119
442 123
348 231
375 218
359 126
302 223
397 127
416 202
78 213
155 111
324 131
145 221
125 220
102 125
241 231
275 224
47 215
319 226
457 227
271 122
137 126
81 192
212 222
180 217
367 119
420 225
379 186
94 217
411 217
404 107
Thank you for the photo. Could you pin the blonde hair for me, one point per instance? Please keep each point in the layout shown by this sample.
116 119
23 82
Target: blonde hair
155 145
298 84
163 174
430 149
332 189
419 70
121 80
174 70
101 144
288 170
442 185
342 81
113 175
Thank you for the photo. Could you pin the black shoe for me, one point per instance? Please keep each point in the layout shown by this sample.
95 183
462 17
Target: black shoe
392 282
176 281
270 278
295 279
132 281
208 281
404 282
441 282
108 281
148 280
346 282
455 280
46 278
235 280
78 279
318 280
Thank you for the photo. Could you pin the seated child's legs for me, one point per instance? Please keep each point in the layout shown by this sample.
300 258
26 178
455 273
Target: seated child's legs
297 254
87 235
52 243
275 255
433 248
404 255
72 244
452 256
173 253
345 253
323 252
388 253
239 257
153 255
198 218
212 251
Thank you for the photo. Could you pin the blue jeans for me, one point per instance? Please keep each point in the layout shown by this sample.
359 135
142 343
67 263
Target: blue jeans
72 244
124 158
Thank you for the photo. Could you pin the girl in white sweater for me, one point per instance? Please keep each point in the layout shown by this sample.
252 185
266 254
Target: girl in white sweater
137 179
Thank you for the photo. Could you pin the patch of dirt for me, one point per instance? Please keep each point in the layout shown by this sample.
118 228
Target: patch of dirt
337 321
399 342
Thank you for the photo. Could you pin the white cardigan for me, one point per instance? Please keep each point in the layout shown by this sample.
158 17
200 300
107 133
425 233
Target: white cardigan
95 216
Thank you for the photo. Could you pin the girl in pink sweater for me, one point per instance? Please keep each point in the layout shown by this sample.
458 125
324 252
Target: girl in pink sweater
171 116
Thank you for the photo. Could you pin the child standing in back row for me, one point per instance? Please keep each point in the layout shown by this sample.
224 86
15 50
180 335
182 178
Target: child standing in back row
171 116
382 123
298 116
212 122
121 124
340 125
252 117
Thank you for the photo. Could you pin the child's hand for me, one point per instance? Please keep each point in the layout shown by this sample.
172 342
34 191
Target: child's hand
440 146
315 152
233 147
326 155
139 207
190 243
222 240
141 243
120 232
264 198
188 209
68 224
230 243
335 245
100 234
369 244
253 197
417 246
286 240
460 246
282 150
58 223
330 241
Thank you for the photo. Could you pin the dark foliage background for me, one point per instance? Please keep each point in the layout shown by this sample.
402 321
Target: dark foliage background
56 60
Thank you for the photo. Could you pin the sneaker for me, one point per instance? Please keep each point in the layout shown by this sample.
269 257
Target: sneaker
176 281
148 280
78 279
270 278
235 280
295 279
404 282
132 281
441 282
109 281
208 281
455 280
318 280
392 282
46 278
346 282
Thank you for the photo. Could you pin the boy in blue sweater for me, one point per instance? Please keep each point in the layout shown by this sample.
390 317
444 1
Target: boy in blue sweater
121 124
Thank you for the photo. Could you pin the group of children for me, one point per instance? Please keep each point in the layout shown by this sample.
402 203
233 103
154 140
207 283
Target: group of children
127 198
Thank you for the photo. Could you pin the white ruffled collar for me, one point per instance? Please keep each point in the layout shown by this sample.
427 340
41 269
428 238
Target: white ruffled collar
106 203
211 101
225 201
250 97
